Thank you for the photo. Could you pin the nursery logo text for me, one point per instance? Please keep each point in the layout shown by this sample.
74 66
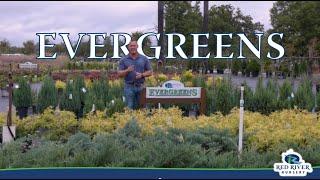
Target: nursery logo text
292 165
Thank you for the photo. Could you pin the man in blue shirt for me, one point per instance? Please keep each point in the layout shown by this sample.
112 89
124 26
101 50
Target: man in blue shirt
134 67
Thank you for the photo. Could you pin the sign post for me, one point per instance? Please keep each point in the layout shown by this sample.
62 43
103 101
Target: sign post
241 122
8 130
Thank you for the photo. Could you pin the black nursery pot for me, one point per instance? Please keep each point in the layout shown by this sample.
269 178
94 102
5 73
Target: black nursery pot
318 88
220 71
255 73
34 109
268 74
22 112
79 114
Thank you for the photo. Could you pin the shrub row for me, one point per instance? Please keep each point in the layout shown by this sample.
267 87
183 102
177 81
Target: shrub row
263 132
175 148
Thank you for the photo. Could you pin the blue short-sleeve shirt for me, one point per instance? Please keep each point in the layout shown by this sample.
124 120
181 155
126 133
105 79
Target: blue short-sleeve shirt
141 64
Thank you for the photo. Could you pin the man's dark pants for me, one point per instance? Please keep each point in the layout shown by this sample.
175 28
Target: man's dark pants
132 95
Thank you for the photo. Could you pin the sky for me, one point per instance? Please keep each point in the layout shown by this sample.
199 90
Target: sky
20 21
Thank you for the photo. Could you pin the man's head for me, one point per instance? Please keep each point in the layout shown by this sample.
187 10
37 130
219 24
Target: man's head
133 46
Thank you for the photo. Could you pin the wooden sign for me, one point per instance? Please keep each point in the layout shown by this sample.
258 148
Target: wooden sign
27 65
177 95
162 92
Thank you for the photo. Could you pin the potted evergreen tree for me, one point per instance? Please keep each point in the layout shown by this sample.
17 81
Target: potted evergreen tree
284 69
47 95
74 96
221 65
97 95
268 68
253 68
22 98
236 67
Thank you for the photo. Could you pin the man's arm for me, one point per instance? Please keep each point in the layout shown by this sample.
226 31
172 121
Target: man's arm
147 72
148 69
122 71
144 74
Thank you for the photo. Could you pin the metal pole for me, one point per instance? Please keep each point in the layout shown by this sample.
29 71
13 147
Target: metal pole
241 122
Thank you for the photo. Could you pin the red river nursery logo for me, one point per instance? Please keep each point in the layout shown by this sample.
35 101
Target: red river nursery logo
292 165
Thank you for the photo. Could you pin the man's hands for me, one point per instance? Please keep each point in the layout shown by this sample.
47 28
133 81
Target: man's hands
139 75
123 73
130 68
144 74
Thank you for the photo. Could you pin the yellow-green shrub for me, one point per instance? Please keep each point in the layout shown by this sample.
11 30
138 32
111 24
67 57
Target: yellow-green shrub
187 76
162 78
60 84
176 77
263 132
3 120
57 125
151 81
267 132
160 118
94 124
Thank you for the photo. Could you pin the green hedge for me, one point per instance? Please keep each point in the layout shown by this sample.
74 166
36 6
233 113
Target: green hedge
201 148
266 98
